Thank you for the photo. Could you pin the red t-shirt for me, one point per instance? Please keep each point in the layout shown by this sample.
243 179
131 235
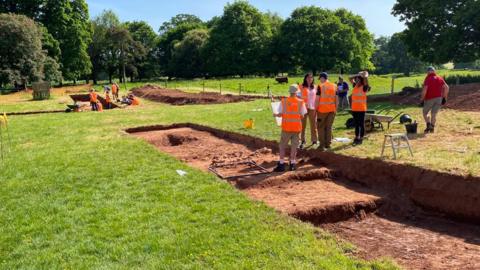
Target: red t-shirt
434 86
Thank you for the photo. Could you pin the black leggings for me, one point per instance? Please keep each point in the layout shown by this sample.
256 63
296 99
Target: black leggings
359 120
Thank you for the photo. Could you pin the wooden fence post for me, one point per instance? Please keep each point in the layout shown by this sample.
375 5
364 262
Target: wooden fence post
393 85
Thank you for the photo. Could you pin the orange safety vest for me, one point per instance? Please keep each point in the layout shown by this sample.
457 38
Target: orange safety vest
359 99
135 101
304 91
114 88
93 97
107 98
292 114
327 102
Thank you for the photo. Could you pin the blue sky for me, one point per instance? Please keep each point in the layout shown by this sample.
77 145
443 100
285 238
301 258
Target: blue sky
377 13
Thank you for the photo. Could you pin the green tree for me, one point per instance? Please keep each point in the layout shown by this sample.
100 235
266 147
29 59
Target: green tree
187 58
29 8
141 32
238 41
276 57
392 56
122 51
52 71
68 22
316 39
50 44
469 65
172 32
179 20
440 31
99 47
21 54
364 40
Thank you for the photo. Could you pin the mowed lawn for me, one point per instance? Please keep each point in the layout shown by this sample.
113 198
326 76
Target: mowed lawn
78 193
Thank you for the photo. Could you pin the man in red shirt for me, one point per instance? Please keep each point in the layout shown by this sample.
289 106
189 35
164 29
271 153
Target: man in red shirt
434 95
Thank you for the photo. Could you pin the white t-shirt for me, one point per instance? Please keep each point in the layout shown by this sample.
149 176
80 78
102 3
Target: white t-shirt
312 94
303 110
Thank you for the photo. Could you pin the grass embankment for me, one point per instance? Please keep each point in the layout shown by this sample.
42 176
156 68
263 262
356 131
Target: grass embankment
77 193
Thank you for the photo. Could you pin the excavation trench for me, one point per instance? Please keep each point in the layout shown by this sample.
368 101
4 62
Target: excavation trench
423 219
86 98
177 97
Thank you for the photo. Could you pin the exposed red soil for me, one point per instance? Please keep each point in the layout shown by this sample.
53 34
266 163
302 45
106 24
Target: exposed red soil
200 149
372 203
422 243
318 201
462 97
177 97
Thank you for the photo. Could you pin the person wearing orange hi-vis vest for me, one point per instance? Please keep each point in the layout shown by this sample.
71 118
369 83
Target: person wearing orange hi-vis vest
308 94
359 104
326 103
292 110
93 96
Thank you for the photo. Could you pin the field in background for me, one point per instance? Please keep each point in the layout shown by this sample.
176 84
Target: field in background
381 84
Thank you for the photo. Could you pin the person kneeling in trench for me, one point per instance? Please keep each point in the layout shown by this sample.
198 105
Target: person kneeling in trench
292 110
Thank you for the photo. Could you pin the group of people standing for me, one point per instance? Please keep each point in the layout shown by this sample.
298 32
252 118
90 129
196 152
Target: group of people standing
95 102
318 105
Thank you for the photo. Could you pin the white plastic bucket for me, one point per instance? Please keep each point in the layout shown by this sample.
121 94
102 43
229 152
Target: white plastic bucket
275 111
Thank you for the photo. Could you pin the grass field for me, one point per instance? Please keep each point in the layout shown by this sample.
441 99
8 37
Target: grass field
78 193
380 84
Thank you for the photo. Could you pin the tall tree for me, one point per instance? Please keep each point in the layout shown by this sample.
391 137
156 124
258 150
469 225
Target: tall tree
364 40
21 54
68 22
172 32
98 48
440 31
238 41
141 32
276 57
178 20
122 51
316 39
392 56
188 55
29 8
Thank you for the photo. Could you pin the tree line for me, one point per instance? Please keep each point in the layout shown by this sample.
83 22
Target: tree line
63 43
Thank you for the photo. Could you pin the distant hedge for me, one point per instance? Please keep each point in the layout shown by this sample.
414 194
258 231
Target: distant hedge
462 79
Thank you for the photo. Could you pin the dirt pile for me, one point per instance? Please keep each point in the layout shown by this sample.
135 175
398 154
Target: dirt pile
462 97
177 97
371 203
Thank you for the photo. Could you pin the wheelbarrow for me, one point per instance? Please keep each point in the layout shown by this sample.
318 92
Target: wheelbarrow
376 119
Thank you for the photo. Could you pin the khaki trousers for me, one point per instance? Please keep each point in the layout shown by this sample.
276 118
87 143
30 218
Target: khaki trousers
293 139
324 125
312 118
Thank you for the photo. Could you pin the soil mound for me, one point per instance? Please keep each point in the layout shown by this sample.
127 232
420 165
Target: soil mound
462 97
177 97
